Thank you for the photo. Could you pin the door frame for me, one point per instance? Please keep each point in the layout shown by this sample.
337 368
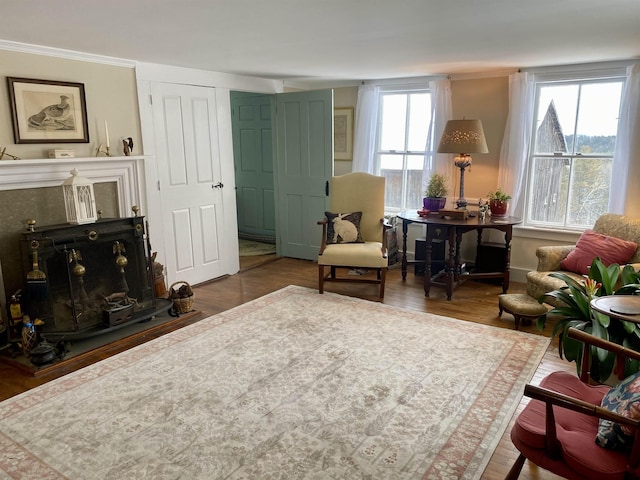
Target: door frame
146 74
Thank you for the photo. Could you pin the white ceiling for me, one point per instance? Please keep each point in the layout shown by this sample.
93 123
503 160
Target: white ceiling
333 40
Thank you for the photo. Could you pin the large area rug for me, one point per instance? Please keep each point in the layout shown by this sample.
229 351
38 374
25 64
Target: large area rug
293 385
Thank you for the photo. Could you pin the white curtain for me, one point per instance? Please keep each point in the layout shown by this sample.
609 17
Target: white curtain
441 112
626 143
517 138
364 140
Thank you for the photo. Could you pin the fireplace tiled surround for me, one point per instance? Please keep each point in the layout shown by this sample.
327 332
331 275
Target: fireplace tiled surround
31 189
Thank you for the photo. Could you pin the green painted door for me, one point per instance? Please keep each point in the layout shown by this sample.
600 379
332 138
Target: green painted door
303 168
251 116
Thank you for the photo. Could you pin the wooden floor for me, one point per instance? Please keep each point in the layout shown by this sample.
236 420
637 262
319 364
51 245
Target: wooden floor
472 301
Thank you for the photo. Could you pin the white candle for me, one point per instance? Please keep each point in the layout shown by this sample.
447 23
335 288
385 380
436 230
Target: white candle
106 131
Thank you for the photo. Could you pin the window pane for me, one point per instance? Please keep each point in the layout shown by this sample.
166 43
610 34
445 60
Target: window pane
391 170
419 117
556 118
415 188
598 118
589 194
393 123
548 190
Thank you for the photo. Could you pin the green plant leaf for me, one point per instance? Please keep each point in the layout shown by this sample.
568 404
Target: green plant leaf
601 319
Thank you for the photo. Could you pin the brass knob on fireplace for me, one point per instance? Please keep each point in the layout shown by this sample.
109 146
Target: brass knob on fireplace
93 235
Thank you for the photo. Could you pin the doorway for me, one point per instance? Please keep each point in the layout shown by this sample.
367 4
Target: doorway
252 131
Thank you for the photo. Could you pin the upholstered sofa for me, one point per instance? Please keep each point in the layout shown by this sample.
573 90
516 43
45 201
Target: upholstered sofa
550 257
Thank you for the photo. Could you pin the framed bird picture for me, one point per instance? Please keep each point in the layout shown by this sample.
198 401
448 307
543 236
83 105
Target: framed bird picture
48 111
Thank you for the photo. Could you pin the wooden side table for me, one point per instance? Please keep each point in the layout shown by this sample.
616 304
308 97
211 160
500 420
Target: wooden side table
451 231
621 307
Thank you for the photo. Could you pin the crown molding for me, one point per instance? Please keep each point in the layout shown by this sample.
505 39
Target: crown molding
68 54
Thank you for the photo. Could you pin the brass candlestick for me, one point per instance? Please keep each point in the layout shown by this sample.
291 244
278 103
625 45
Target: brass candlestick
104 150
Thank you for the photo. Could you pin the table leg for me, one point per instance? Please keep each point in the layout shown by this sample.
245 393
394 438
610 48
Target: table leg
507 253
405 228
452 261
427 263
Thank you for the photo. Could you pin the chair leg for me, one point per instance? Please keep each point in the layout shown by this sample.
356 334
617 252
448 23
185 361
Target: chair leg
321 278
383 277
514 473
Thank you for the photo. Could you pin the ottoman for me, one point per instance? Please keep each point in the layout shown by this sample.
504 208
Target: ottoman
521 306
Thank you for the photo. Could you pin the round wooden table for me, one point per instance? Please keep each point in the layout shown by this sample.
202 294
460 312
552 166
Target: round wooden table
622 307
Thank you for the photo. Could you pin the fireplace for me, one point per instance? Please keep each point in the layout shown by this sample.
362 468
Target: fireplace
83 280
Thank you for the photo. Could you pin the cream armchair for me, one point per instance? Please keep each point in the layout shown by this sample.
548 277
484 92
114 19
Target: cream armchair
549 257
351 193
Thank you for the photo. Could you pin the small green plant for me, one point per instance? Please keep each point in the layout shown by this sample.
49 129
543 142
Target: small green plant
499 195
437 186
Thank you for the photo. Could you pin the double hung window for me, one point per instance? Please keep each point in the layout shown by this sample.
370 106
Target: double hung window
403 127
571 153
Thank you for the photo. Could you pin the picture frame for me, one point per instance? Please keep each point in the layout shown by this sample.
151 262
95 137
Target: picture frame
48 111
343 133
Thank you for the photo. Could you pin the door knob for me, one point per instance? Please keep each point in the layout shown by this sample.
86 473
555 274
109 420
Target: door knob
218 185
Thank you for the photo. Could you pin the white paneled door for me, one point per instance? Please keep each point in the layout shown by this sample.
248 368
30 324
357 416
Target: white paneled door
187 152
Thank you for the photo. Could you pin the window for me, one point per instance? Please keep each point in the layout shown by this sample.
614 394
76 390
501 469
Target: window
404 121
574 138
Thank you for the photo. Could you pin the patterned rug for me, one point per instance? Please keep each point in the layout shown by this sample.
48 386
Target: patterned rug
293 385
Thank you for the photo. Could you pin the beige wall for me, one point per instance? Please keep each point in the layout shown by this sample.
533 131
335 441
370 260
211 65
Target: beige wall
110 95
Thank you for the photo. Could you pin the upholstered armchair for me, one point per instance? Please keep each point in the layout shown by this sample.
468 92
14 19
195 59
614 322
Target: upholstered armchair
353 232
554 258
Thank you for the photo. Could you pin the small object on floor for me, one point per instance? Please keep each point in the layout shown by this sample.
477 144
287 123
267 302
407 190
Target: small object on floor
358 271
521 306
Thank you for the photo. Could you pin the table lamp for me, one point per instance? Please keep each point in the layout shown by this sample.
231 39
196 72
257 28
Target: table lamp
463 137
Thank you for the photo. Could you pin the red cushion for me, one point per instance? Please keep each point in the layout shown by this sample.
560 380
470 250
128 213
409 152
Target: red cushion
591 245
582 458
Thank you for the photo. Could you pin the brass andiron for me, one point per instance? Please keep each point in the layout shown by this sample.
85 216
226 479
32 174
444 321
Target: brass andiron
79 271
121 263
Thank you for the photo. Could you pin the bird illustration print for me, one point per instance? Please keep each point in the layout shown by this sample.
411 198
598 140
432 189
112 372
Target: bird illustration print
54 117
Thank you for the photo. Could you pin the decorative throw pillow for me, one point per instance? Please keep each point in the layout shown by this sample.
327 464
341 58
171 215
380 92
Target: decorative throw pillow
624 399
343 227
591 245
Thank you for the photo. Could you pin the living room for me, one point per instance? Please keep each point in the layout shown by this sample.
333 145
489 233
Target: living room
117 90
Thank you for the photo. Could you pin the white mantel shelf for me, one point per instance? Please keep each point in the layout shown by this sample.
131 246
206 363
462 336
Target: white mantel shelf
126 172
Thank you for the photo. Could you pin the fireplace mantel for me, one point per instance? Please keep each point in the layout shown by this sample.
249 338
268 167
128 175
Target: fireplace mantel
126 172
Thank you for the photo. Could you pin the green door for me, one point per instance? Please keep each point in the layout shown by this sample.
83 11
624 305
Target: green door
303 169
251 116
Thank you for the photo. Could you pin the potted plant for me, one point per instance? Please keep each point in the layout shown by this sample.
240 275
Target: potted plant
435 195
577 313
498 203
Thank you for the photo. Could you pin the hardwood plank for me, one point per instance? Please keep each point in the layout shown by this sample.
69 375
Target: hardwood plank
473 301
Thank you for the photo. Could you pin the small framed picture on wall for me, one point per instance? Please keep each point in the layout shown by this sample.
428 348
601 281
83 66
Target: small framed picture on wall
48 111
343 133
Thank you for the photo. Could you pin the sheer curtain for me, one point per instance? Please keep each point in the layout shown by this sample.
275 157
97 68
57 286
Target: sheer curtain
364 141
626 143
517 138
441 112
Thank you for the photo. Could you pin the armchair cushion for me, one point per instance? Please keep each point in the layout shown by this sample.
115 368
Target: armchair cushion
591 245
624 399
343 227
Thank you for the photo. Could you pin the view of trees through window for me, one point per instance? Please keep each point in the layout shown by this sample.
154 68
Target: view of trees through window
574 141
402 137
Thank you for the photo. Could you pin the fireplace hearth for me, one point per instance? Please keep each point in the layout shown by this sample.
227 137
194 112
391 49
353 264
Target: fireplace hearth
89 279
